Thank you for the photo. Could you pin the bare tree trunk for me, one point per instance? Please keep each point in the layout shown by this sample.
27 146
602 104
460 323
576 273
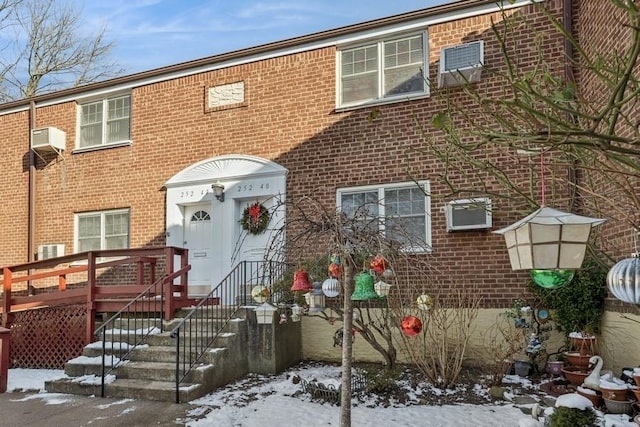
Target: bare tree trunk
347 348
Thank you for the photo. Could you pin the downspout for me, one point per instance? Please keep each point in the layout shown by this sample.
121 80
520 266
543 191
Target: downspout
32 187
567 22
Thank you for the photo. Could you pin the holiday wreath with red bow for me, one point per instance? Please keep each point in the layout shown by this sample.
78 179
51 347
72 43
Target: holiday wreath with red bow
255 218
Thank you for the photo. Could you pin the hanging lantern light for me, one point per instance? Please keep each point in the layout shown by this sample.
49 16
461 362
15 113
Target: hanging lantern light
548 239
264 313
364 288
411 326
301 281
623 280
331 287
424 302
316 298
382 288
296 313
260 293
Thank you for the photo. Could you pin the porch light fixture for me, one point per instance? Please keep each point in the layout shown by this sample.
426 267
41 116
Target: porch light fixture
218 191
264 313
550 243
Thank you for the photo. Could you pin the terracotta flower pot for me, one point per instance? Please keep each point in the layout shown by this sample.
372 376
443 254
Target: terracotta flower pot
584 345
575 358
618 406
619 394
575 375
593 396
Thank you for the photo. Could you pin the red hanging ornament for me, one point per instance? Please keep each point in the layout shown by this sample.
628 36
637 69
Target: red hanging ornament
411 326
379 264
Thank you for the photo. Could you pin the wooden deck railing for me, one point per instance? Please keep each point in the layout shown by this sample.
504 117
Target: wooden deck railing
94 275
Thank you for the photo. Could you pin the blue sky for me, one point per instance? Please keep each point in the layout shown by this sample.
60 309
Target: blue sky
154 33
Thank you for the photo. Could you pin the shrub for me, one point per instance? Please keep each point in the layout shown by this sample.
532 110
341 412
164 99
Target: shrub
573 417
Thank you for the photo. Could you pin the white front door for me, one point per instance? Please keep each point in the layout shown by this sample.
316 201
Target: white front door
198 238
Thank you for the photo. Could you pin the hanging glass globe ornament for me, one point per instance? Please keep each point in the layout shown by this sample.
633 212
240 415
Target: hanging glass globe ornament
424 302
260 294
623 280
379 264
335 270
411 326
551 279
388 274
331 287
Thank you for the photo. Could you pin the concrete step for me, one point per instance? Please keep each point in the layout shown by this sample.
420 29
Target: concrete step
128 388
160 371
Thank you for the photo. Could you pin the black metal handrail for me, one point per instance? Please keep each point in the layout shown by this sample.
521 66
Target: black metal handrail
140 317
200 328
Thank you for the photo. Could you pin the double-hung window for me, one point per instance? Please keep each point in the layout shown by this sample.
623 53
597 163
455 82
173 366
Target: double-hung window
383 70
105 122
399 212
102 230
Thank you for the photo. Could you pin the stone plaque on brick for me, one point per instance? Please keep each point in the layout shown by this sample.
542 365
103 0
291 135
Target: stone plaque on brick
227 95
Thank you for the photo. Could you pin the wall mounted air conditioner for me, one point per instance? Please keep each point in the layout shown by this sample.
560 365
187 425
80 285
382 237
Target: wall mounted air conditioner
50 251
48 139
468 214
461 64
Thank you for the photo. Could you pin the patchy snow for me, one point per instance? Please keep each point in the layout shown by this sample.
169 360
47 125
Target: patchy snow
573 400
259 401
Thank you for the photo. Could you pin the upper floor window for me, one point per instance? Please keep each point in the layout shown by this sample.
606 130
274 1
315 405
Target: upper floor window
399 212
387 69
104 122
102 230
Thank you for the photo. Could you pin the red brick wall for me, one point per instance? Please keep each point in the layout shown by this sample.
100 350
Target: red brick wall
290 118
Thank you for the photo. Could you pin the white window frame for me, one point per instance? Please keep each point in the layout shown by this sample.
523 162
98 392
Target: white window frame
381 98
102 215
105 119
424 186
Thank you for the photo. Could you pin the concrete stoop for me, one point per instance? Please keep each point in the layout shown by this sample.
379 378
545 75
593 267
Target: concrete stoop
150 371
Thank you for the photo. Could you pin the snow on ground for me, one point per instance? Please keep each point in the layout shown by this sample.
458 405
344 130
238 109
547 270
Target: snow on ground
279 400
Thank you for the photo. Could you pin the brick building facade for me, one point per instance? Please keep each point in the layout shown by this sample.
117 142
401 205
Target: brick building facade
289 119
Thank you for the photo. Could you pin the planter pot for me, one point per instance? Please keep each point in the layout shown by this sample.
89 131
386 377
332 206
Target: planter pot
522 368
614 393
594 397
584 345
636 378
575 375
574 358
555 367
636 393
618 407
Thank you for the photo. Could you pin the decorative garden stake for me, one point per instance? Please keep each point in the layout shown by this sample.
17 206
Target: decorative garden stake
364 288
301 281
411 326
623 280
549 239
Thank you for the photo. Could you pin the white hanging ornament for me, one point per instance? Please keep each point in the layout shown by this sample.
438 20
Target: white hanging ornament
425 302
331 287
623 280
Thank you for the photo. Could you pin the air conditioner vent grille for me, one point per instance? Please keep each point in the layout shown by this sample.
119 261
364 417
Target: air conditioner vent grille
468 214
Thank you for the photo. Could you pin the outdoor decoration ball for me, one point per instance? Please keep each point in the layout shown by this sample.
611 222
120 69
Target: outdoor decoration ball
551 279
623 280
260 293
379 264
335 270
331 287
411 326
424 302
